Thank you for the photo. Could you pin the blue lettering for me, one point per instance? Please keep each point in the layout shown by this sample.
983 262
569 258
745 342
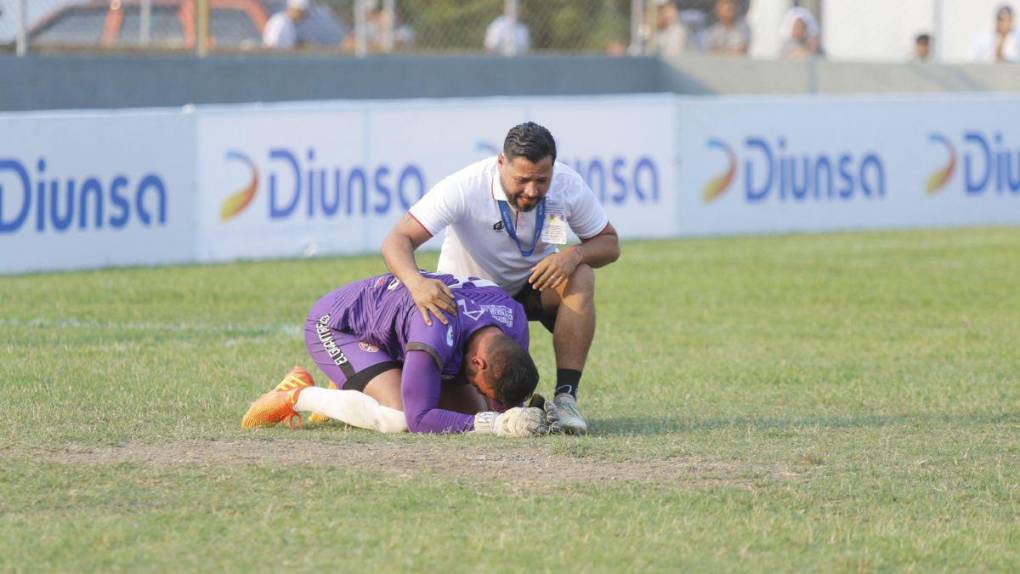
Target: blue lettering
276 209
1013 184
1001 158
382 190
877 185
357 175
752 193
410 172
619 181
40 213
95 189
61 221
119 221
976 185
823 162
800 191
846 177
311 183
330 204
151 181
19 171
647 166
808 177
57 200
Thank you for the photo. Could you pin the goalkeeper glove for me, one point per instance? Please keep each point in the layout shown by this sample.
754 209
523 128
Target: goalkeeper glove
518 421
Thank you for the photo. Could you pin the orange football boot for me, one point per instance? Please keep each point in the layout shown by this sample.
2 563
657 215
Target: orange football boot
277 405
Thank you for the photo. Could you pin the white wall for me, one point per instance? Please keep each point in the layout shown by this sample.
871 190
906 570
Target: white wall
883 30
765 19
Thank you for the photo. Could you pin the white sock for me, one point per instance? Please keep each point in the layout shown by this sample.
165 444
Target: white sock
352 407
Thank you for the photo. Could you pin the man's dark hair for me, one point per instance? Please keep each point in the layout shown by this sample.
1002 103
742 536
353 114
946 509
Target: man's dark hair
924 39
529 140
514 373
1004 10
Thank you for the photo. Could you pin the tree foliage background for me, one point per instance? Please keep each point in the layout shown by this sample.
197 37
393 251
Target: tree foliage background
554 25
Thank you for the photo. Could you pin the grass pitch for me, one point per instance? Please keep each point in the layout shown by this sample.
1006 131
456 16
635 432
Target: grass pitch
802 403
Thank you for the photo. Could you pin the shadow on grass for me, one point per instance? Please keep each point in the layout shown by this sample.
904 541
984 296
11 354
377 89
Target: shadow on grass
672 425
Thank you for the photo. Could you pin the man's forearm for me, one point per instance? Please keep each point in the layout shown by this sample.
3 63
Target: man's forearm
599 251
398 253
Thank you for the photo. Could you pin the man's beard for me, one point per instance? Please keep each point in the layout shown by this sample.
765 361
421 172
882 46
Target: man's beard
525 209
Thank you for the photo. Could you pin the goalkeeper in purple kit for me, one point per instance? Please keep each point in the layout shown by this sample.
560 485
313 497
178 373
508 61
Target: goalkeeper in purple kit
393 372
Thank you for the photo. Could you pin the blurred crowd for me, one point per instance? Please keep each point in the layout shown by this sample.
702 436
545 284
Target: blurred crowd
668 28
677 32
721 30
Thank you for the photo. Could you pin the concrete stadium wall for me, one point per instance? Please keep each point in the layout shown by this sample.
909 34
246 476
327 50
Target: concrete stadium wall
703 75
82 82
111 82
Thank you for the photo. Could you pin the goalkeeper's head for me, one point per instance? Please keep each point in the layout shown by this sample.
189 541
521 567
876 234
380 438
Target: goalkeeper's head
499 368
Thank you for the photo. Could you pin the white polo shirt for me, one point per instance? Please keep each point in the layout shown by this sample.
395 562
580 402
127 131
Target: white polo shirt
466 204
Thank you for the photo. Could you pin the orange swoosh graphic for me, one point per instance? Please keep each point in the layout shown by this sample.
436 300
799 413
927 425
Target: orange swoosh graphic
941 177
239 200
718 185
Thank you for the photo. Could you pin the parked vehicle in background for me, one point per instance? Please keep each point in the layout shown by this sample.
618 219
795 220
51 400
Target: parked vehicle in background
233 24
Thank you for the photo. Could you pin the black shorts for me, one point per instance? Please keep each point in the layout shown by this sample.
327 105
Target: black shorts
532 302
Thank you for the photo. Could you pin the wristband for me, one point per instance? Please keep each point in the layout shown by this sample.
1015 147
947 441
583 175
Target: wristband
485 422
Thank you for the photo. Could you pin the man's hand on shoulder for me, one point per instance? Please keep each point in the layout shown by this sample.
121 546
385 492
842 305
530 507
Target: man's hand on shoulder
432 296
555 268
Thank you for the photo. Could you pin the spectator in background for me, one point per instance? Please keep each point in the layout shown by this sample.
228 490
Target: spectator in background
281 29
1000 44
501 38
670 33
377 21
922 48
730 35
801 35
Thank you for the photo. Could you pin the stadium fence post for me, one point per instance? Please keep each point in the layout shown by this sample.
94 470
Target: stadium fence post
510 38
22 24
360 32
202 28
637 25
937 20
390 9
145 23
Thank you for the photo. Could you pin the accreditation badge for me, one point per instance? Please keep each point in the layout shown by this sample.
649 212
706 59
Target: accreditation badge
554 230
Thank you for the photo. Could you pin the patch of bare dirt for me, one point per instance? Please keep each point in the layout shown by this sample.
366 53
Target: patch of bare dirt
519 463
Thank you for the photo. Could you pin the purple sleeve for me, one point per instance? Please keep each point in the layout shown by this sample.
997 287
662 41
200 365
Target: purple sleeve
420 385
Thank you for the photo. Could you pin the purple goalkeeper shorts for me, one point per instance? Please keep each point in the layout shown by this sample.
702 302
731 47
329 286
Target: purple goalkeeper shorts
346 360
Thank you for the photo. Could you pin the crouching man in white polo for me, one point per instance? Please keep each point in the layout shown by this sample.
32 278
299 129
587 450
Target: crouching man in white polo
505 217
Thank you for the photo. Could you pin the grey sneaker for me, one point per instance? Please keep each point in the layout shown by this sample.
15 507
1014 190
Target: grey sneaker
570 418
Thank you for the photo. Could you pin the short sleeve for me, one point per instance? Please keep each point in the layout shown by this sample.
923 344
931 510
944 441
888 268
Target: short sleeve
438 340
584 213
440 207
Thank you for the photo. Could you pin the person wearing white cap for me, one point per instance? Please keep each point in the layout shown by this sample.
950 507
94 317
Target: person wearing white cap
801 35
281 29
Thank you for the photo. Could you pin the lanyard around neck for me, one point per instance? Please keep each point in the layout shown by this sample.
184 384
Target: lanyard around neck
508 223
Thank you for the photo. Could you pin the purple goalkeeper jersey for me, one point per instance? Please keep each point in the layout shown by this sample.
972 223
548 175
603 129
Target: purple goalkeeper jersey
380 310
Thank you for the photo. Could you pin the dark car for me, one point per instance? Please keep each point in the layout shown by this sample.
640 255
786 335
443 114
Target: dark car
233 24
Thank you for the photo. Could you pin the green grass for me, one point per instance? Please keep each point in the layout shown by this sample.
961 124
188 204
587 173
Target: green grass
845 402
